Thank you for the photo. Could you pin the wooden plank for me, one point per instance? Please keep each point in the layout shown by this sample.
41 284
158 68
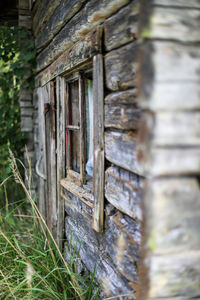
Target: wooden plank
178 3
173 61
93 14
178 128
172 161
122 27
122 116
124 191
172 96
42 147
121 110
172 275
43 11
78 191
98 173
121 240
53 162
175 23
125 97
47 116
61 100
62 13
172 223
27 124
120 149
120 67
78 54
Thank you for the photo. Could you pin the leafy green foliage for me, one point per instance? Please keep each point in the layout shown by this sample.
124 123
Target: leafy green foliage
16 53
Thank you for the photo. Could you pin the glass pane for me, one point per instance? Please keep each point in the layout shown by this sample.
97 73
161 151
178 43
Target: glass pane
89 126
75 150
74 116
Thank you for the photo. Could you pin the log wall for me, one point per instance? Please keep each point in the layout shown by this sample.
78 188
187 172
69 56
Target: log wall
169 148
63 31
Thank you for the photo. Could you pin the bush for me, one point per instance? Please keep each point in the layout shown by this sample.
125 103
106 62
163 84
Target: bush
14 58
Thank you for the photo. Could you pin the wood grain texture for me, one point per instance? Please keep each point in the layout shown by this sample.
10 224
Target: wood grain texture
119 230
175 23
78 191
121 28
120 149
173 219
178 3
80 53
42 154
173 161
173 61
120 67
176 274
98 173
51 161
61 100
121 110
178 128
43 11
124 191
170 96
94 13
62 13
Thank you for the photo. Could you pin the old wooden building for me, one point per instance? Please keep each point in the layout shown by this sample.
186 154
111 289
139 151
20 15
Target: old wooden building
114 138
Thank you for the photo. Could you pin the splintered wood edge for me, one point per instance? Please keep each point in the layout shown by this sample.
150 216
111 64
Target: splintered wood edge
77 191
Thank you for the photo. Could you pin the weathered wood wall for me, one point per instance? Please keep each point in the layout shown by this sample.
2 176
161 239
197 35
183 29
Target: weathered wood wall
170 148
26 98
63 31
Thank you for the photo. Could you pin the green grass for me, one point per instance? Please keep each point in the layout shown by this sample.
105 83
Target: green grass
31 264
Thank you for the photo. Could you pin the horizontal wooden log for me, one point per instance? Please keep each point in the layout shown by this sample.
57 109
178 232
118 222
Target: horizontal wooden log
25 95
179 3
83 51
26 111
120 67
122 116
94 13
121 28
92 259
171 96
124 97
174 275
25 21
117 247
175 62
176 128
43 11
173 218
26 124
26 104
172 161
123 190
121 110
64 11
120 149
175 23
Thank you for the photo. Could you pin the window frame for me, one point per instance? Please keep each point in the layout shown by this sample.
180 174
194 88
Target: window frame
73 181
78 177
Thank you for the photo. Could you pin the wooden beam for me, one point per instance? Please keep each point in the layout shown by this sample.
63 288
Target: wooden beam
61 100
98 171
